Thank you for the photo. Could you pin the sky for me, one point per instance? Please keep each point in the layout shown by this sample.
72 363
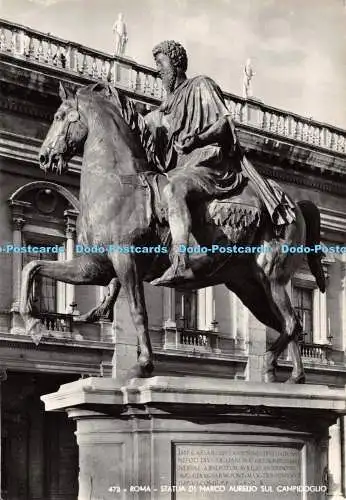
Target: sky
297 47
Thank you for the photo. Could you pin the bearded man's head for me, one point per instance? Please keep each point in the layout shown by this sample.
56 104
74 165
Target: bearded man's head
178 62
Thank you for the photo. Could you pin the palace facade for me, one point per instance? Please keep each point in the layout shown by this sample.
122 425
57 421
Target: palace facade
203 333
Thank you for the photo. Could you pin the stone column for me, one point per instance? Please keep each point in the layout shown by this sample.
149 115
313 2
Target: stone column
343 454
243 330
169 308
70 232
61 289
343 301
206 317
334 460
17 261
3 378
18 221
233 302
319 317
169 321
210 320
324 456
201 309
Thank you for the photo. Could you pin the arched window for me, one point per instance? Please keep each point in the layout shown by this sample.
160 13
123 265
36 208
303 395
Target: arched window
43 214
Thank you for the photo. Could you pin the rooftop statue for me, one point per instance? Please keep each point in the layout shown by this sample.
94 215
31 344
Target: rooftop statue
120 31
248 75
176 177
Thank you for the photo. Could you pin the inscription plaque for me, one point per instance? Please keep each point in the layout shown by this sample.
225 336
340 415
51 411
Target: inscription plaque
248 470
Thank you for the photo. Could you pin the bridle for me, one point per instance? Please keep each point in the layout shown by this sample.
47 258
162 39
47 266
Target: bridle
72 116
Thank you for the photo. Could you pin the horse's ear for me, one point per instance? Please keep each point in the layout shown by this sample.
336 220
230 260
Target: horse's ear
64 92
101 88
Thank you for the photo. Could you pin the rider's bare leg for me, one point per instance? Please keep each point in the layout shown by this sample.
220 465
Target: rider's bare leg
179 219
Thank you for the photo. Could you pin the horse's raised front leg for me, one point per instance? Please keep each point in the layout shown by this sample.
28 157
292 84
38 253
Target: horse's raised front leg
103 311
83 270
129 277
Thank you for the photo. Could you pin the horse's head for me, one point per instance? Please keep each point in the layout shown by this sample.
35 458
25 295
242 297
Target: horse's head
66 135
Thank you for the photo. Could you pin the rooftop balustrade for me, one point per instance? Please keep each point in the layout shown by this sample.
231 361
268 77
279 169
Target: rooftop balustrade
49 51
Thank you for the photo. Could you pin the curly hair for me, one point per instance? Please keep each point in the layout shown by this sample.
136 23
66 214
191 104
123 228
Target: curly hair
175 51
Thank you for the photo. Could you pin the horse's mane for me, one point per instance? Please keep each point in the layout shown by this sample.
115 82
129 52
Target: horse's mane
132 117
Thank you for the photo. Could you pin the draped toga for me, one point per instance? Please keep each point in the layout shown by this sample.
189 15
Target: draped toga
215 170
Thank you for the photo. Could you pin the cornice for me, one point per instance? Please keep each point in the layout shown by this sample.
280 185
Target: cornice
50 77
317 159
19 106
25 150
19 353
21 340
294 157
333 220
278 144
299 179
41 89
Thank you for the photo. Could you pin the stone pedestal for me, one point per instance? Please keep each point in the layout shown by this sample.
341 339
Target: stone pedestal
199 438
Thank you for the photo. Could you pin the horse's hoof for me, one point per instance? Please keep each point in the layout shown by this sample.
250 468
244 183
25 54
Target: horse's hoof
269 377
94 316
84 318
140 370
296 380
33 327
172 279
148 368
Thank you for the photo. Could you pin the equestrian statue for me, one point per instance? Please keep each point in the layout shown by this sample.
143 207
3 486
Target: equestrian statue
176 177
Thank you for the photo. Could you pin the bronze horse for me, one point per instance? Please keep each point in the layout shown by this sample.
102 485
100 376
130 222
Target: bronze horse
120 207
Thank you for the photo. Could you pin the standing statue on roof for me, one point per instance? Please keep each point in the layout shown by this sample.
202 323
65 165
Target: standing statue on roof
248 75
120 30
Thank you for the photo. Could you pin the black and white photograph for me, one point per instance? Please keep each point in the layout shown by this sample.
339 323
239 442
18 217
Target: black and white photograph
172 249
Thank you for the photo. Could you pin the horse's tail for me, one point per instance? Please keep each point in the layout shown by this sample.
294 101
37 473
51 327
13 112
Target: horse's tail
312 219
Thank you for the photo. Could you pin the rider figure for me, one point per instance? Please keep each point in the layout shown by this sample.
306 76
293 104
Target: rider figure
195 140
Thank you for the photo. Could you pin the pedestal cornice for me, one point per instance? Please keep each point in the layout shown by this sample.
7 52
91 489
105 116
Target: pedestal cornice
201 391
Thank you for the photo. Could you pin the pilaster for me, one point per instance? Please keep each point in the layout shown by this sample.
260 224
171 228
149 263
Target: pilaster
70 233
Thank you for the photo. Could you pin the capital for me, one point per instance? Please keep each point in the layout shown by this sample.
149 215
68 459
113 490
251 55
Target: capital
70 223
70 231
3 375
18 223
